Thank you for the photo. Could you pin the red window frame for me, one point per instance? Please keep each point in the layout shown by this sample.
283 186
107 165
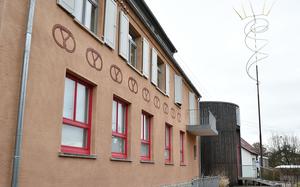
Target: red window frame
168 147
143 138
73 122
118 134
182 147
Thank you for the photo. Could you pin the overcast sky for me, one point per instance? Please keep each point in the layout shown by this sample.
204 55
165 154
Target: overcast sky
209 37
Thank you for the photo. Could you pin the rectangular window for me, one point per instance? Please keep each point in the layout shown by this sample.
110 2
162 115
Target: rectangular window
192 109
178 89
132 50
161 75
85 11
119 129
181 147
145 137
168 143
76 117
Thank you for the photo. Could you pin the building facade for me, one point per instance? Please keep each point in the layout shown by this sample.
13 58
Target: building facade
249 160
106 103
221 155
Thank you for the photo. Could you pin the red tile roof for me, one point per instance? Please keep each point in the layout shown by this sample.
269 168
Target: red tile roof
248 147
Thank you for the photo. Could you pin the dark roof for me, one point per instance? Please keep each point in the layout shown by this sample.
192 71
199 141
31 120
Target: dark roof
248 147
144 13
148 18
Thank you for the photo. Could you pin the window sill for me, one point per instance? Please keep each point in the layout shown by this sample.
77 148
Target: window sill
120 160
161 91
183 164
88 31
178 105
60 154
135 69
147 161
169 163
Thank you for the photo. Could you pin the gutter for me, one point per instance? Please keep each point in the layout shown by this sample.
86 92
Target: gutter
24 78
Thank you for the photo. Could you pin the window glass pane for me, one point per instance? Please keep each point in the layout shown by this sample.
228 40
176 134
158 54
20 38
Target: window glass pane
78 10
133 54
88 14
146 128
144 150
121 118
73 136
118 145
114 116
81 105
167 154
167 137
69 98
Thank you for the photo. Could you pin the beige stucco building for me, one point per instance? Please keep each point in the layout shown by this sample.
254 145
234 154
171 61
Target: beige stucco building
106 103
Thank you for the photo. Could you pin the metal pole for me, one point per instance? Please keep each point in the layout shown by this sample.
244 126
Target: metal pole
25 65
259 120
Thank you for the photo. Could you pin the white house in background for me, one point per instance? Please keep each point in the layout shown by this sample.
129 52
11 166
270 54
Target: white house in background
249 160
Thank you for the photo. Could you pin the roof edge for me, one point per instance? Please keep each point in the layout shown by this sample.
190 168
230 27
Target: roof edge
169 50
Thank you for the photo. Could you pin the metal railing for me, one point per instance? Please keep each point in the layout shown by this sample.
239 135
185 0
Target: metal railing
249 171
199 182
207 118
201 117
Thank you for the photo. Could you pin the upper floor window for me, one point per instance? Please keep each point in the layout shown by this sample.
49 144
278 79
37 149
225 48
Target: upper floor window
119 129
76 128
193 112
178 89
132 58
145 137
160 75
85 11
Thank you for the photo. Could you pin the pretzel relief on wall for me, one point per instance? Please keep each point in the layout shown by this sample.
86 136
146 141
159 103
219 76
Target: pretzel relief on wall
94 59
116 74
146 94
173 113
166 108
156 102
64 38
179 117
133 85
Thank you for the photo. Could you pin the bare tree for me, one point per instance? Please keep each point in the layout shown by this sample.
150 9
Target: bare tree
256 146
284 150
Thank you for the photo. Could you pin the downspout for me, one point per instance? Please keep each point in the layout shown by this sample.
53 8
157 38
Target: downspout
24 77
199 145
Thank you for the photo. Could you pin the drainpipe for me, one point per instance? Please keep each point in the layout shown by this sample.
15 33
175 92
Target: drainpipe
199 144
26 55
